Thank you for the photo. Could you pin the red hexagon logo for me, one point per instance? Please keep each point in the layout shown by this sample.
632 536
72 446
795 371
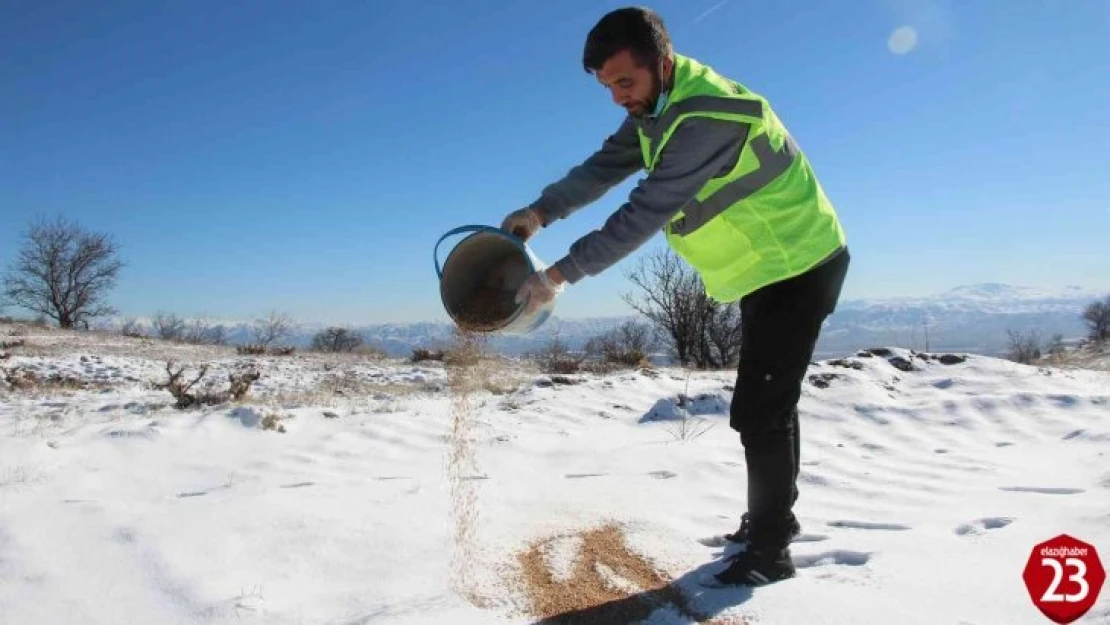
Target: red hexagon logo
1064 576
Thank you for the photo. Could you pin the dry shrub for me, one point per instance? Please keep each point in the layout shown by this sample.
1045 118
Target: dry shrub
240 382
273 422
372 352
336 339
181 387
420 354
555 357
284 350
251 349
21 379
626 346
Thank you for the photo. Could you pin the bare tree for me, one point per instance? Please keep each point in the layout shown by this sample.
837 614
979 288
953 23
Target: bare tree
699 330
200 332
273 327
336 339
168 326
63 271
1097 316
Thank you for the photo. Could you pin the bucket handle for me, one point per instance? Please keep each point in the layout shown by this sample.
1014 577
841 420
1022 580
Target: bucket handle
475 228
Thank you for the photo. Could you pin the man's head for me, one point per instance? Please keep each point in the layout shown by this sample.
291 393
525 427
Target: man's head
630 53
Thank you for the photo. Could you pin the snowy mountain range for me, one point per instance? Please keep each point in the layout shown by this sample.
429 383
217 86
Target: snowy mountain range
971 318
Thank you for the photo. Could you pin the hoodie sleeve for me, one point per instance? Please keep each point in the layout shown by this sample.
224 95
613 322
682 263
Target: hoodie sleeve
699 149
617 159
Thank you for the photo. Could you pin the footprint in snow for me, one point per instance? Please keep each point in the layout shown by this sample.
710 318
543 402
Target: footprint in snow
201 493
842 557
869 525
1042 490
986 523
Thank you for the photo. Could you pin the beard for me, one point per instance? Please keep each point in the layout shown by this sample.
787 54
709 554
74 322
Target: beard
641 108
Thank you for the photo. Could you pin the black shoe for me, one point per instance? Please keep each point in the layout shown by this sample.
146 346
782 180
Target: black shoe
754 568
742 535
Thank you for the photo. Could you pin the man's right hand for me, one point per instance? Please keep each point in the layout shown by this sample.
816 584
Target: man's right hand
524 223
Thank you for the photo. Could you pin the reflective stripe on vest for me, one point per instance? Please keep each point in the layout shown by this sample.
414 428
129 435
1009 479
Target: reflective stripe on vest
772 164
697 104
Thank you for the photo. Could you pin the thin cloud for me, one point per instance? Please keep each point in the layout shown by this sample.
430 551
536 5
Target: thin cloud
706 13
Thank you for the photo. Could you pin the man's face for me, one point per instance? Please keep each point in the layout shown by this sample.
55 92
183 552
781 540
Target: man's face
634 87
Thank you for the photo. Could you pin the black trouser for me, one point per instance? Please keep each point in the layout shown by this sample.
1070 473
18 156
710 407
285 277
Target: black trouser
780 326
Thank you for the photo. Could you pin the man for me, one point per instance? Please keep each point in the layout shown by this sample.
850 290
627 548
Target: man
738 200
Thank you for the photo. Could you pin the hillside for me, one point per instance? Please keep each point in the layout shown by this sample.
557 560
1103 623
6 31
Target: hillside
346 490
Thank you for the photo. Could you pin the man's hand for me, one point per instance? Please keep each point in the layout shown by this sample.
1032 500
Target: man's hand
524 223
540 288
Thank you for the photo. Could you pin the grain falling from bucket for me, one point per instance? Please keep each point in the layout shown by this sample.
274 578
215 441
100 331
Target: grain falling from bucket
463 373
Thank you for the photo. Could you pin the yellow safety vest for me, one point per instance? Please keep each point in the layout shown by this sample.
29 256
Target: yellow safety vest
767 219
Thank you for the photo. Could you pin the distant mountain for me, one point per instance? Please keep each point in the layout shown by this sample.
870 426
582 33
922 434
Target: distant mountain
972 318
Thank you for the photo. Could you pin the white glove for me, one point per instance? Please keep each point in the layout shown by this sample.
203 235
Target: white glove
537 290
524 223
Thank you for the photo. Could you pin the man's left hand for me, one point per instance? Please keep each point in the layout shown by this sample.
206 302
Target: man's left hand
540 288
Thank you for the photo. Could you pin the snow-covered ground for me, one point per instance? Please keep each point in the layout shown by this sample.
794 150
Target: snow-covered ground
925 484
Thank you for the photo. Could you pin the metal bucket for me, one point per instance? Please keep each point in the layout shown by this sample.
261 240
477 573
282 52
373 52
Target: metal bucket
480 277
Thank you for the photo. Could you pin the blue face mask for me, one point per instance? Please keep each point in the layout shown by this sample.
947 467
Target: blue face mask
662 102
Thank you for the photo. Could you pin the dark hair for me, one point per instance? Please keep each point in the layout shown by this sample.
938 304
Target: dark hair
637 29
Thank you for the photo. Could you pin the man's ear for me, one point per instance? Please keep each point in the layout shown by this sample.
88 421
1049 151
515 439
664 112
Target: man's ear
667 67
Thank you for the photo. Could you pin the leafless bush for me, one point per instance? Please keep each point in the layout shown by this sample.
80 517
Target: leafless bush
250 350
371 351
556 357
1056 345
179 387
1097 316
241 383
132 328
200 332
273 327
627 345
420 354
1024 347
336 339
284 350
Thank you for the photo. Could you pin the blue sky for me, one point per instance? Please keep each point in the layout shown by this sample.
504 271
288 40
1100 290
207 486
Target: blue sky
306 156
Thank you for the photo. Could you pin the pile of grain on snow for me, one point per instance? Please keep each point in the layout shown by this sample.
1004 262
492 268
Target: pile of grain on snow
592 577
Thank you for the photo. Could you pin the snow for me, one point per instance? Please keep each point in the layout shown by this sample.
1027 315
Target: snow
924 487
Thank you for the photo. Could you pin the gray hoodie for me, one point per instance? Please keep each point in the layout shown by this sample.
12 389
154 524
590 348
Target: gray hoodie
699 149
